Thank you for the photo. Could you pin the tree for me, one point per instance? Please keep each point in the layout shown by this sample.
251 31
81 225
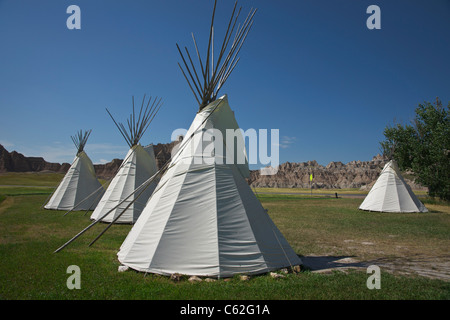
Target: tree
424 147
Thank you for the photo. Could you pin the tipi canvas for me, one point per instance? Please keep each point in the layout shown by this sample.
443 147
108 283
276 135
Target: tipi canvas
80 188
203 219
139 165
120 203
391 193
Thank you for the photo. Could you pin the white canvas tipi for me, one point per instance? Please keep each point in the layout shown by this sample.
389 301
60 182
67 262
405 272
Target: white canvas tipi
120 203
391 193
80 188
203 219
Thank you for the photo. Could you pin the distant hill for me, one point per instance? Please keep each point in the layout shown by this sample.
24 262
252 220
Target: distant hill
17 162
335 175
162 154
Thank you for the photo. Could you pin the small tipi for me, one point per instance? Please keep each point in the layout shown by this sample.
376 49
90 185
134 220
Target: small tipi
203 219
119 204
79 189
391 193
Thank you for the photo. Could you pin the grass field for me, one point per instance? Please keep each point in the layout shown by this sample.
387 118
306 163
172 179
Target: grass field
319 229
308 191
320 192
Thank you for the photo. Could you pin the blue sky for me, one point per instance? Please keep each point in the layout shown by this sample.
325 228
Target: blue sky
311 69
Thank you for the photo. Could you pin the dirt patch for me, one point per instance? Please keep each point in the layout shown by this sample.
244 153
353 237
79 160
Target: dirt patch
7 203
425 266
419 265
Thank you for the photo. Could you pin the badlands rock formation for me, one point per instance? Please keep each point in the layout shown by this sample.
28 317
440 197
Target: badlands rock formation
335 175
17 162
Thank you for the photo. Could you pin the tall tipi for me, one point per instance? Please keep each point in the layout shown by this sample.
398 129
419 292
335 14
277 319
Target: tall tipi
120 203
391 193
80 188
203 219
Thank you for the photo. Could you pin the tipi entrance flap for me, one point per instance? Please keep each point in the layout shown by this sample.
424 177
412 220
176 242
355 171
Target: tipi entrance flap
87 181
64 196
276 250
190 234
238 248
391 201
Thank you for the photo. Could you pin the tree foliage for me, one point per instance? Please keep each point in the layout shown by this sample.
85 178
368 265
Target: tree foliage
423 147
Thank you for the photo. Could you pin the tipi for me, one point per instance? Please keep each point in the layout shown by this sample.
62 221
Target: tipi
203 219
138 166
391 193
80 188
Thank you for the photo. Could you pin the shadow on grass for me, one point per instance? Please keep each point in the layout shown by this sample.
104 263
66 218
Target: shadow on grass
321 263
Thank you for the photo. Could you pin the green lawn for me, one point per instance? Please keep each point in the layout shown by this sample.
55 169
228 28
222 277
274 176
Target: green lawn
42 179
308 191
322 227
319 192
